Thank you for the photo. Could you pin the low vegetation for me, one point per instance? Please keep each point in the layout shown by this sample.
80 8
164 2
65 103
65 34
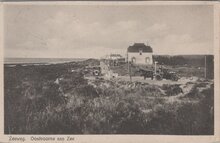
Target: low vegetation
36 104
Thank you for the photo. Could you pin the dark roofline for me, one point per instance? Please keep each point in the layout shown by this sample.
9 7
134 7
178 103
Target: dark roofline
139 46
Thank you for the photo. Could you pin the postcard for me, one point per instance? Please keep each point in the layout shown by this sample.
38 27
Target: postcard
110 71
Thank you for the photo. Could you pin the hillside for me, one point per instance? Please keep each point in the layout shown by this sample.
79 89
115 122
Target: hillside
49 99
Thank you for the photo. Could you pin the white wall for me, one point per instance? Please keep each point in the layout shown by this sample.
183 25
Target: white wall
140 59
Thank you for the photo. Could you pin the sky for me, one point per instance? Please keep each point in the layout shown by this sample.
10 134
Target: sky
92 31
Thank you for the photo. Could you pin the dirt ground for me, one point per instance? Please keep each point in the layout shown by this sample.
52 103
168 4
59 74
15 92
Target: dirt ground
182 80
186 84
156 82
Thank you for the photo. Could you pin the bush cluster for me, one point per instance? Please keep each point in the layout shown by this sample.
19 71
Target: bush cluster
172 90
35 106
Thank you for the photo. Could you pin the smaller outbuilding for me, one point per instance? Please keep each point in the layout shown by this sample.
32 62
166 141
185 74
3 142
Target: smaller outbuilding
113 60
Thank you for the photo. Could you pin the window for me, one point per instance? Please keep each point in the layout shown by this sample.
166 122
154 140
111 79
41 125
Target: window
133 60
140 51
147 60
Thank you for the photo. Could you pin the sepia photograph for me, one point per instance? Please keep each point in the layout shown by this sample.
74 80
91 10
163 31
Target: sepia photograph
108 69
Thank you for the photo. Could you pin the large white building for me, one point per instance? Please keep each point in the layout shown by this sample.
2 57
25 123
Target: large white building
139 53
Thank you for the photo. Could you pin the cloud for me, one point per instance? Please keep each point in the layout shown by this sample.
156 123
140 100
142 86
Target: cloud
181 44
127 25
158 27
90 33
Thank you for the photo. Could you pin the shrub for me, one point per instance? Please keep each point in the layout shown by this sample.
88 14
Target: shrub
172 90
202 84
35 106
128 118
161 121
194 92
188 119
